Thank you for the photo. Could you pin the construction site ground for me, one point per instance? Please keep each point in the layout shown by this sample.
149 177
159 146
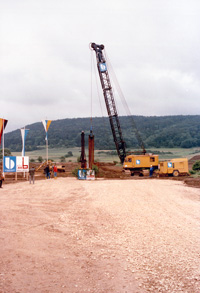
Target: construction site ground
115 234
107 171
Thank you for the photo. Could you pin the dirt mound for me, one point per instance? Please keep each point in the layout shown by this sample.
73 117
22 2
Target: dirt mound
193 182
112 171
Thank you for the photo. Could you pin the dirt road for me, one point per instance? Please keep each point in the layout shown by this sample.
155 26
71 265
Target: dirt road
67 235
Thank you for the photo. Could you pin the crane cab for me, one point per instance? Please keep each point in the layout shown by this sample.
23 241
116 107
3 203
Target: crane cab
138 163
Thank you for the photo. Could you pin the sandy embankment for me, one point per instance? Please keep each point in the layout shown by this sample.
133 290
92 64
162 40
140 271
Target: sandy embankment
67 235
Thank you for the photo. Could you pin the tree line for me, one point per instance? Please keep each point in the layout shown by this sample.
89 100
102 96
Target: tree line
158 131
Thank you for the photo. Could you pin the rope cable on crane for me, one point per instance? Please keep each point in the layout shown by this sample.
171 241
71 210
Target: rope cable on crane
91 93
109 66
124 103
93 66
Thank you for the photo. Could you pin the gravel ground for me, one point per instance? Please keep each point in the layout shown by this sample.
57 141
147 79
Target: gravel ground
67 235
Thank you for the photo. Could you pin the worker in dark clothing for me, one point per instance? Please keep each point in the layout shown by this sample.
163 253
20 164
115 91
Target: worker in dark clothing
1 179
151 171
47 171
32 175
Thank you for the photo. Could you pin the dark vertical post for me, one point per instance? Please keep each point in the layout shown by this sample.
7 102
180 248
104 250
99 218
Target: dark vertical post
91 149
83 159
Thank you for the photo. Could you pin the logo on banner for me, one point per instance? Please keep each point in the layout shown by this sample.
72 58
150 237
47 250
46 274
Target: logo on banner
102 67
82 174
16 164
9 164
22 164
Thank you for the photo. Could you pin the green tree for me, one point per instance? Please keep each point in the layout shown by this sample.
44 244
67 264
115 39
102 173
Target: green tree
167 131
7 153
95 169
196 166
69 154
62 159
40 159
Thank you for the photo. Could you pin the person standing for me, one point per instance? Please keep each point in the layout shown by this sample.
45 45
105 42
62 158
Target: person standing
151 171
55 170
1 179
47 171
32 175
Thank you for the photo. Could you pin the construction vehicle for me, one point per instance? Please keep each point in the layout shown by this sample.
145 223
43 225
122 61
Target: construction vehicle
136 164
174 167
131 162
43 164
60 168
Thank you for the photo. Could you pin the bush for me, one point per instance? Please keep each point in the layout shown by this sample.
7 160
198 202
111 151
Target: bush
40 159
7 153
75 172
196 166
96 169
62 159
69 154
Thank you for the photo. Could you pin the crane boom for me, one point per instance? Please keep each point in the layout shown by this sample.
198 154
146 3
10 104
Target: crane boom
109 100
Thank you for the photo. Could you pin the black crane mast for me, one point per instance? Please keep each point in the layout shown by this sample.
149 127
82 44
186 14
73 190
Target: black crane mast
110 102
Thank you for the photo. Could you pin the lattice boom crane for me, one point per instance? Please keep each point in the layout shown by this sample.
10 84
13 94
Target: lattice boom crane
109 100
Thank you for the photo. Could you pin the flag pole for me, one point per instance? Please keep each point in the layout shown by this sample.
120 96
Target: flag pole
3 149
23 143
46 124
23 150
47 150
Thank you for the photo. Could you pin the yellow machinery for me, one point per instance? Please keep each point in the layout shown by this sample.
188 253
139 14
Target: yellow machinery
60 168
174 167
137 163
43 164
132 163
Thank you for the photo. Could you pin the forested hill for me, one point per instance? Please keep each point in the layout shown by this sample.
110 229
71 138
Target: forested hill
165 131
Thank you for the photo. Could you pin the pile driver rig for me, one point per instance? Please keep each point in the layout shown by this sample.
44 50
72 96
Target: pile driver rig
132 163
110 102
135 163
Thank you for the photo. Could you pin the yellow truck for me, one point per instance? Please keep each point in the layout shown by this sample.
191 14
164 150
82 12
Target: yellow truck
137 163
173 167
140 164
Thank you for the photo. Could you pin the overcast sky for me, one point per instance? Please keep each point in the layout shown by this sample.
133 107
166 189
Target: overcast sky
45 60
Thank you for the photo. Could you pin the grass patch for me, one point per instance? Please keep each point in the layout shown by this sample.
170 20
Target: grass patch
107 155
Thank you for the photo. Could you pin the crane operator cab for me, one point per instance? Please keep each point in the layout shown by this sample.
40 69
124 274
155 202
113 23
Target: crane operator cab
137 163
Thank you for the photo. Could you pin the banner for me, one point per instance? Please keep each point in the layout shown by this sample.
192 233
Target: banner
84 174
24 133
16 164
3 123
46 124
